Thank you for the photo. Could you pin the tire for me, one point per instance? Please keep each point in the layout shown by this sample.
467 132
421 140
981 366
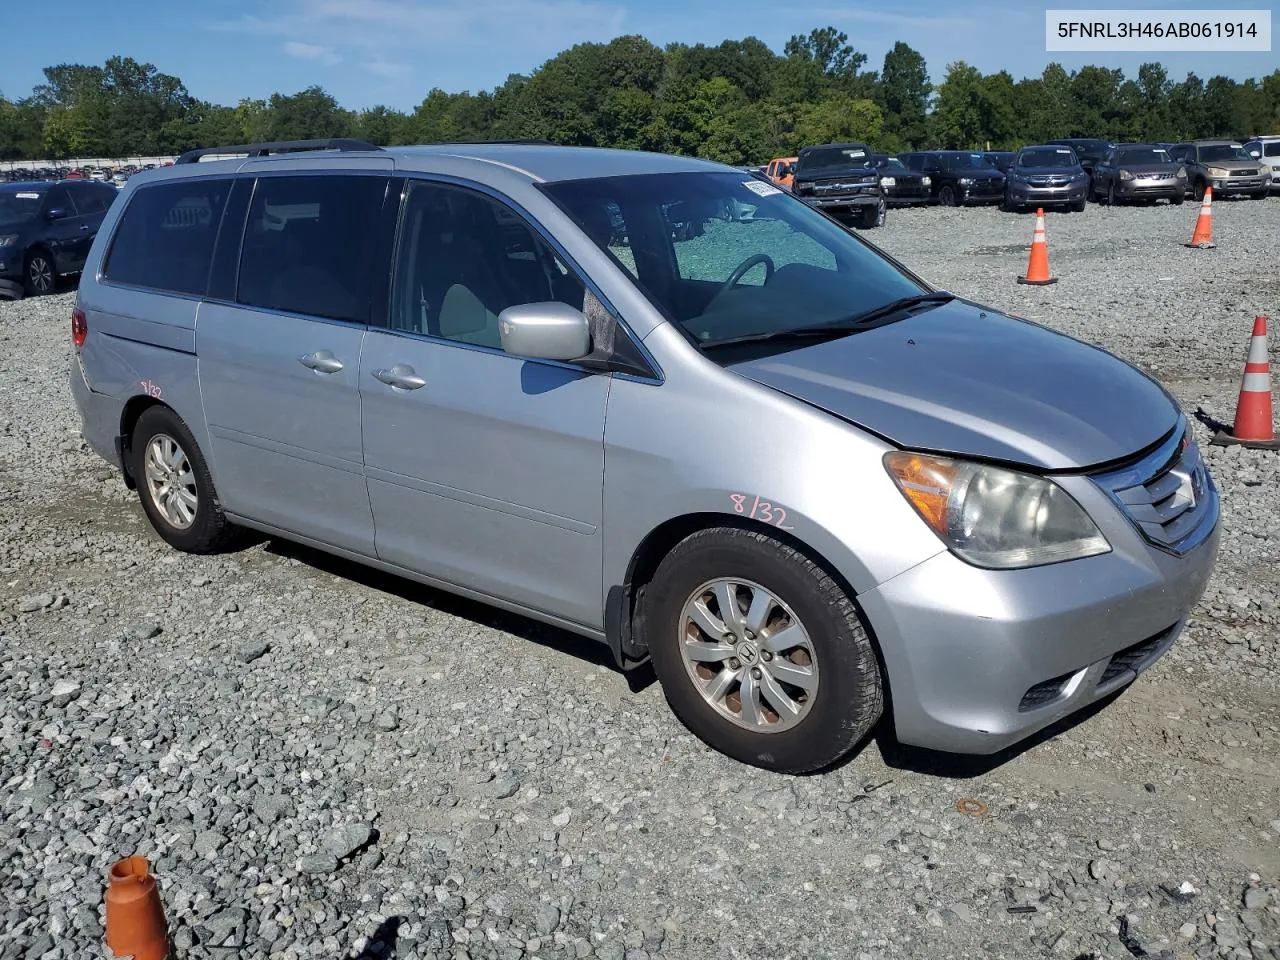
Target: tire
1260 196
875 217
847 699
1111 194
947 197
1197 191
1178 199
1078 206
207 530
39 276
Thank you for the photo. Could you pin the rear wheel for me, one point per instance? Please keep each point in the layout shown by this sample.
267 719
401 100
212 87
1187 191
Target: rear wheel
38 274
175 487
760 653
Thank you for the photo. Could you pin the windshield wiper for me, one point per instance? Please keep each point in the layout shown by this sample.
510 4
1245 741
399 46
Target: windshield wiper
831 331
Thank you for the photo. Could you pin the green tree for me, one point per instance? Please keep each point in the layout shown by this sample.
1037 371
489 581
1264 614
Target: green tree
838 120
904 95
309 114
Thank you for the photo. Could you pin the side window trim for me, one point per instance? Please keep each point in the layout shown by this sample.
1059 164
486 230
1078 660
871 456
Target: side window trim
382 322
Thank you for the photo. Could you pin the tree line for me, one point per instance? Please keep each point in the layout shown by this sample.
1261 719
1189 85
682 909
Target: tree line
738 102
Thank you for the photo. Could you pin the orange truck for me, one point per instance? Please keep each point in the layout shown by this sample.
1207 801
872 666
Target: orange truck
781 171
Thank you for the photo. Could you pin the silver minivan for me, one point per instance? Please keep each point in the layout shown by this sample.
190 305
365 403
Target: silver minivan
658 402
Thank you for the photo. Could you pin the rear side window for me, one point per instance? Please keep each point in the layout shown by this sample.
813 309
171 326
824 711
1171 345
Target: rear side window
308 245
165 238
1271 149
94 200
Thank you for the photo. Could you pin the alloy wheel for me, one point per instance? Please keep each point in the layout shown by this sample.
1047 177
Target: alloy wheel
40 274
748 655
171 482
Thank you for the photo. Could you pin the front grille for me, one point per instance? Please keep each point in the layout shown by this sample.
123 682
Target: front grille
1133 658
1168 495
1243 173
988 188
1048 181
1043 694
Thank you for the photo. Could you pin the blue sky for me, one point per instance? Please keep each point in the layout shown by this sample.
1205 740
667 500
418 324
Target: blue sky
394 51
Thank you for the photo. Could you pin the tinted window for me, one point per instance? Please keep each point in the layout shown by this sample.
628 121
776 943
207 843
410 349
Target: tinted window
834 159
463 257
1048 157
19 206
1221 152
93 200
1144 155
692 233
165 238
60 199
308 245
967 161
1271 149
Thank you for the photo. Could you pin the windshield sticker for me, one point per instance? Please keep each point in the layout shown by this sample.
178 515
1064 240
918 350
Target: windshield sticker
28 196
760 188
855 153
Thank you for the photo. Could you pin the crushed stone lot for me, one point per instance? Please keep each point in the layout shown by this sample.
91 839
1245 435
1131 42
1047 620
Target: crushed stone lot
322 761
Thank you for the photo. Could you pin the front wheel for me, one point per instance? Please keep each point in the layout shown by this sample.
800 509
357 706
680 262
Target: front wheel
874 217
174 485
1078 206
1261 196
947 197
760 653
1198 191
39 276
1178 199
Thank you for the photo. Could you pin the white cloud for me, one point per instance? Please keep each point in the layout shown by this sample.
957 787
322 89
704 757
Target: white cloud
387 69
311 51
863 15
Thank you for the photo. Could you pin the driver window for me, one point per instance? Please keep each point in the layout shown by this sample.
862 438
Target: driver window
711 241
464 257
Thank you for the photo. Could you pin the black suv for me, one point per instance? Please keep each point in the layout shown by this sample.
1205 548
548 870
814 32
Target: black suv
958 177
842 181
46 229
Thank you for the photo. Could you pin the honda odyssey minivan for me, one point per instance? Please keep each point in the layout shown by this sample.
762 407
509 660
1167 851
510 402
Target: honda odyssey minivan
660 403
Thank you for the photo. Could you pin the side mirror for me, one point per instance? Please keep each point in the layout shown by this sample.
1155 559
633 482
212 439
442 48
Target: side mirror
1256 154
546 331
56 213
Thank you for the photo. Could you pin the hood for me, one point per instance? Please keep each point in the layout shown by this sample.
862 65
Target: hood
1146 169
962 380
13 226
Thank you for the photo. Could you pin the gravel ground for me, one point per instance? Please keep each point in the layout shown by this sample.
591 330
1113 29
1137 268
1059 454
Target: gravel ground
321 761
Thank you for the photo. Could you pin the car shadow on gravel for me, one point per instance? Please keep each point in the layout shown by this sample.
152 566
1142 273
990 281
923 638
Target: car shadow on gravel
554 638
954 766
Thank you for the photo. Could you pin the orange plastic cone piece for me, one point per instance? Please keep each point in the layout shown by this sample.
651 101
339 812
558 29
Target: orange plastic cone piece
1038 263
1253 426
135 917
1202 238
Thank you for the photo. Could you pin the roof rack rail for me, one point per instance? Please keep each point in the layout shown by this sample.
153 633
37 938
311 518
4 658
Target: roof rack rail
481 143
278 146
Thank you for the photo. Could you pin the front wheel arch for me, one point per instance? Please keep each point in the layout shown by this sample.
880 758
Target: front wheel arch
622 599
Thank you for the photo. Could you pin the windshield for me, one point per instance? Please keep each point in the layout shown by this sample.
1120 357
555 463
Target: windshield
1090 146
1055 157
726 257
892 163
969 161
834 159
19 206
1144 155
1223 151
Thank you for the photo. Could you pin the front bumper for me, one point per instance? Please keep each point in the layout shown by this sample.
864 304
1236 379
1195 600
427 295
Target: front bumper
970 194
1139 187
838 206
1227 186
10 288
1027 193
981 659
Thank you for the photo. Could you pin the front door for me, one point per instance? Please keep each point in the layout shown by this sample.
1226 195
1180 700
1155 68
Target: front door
485 470
65 230
279 366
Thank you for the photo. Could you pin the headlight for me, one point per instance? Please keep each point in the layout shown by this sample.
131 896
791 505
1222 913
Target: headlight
1182 174
1126 175
8 240
992 517
926 181
965 181
1218 172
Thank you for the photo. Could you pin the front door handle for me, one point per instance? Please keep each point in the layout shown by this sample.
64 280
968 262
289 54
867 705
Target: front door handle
322 361
401 376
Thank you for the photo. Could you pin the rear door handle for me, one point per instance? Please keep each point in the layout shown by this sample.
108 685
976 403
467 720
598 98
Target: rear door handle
322 361
401 376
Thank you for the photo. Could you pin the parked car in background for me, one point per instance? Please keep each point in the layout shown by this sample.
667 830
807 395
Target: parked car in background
1046 176
782 171
1139 171
1225 165
957 177
1089 151
1266 150
46 229
901 185
827 481
841 181
1000 159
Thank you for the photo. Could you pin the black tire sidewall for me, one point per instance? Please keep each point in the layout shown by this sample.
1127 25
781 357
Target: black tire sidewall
849 699
208 529
26 273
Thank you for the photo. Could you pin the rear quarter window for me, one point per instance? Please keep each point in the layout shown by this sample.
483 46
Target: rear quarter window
166 236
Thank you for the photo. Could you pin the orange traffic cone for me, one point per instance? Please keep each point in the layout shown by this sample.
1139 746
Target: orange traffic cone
1038 263
1202 238
135 917
1253 426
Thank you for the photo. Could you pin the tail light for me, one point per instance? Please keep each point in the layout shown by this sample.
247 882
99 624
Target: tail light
79 327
